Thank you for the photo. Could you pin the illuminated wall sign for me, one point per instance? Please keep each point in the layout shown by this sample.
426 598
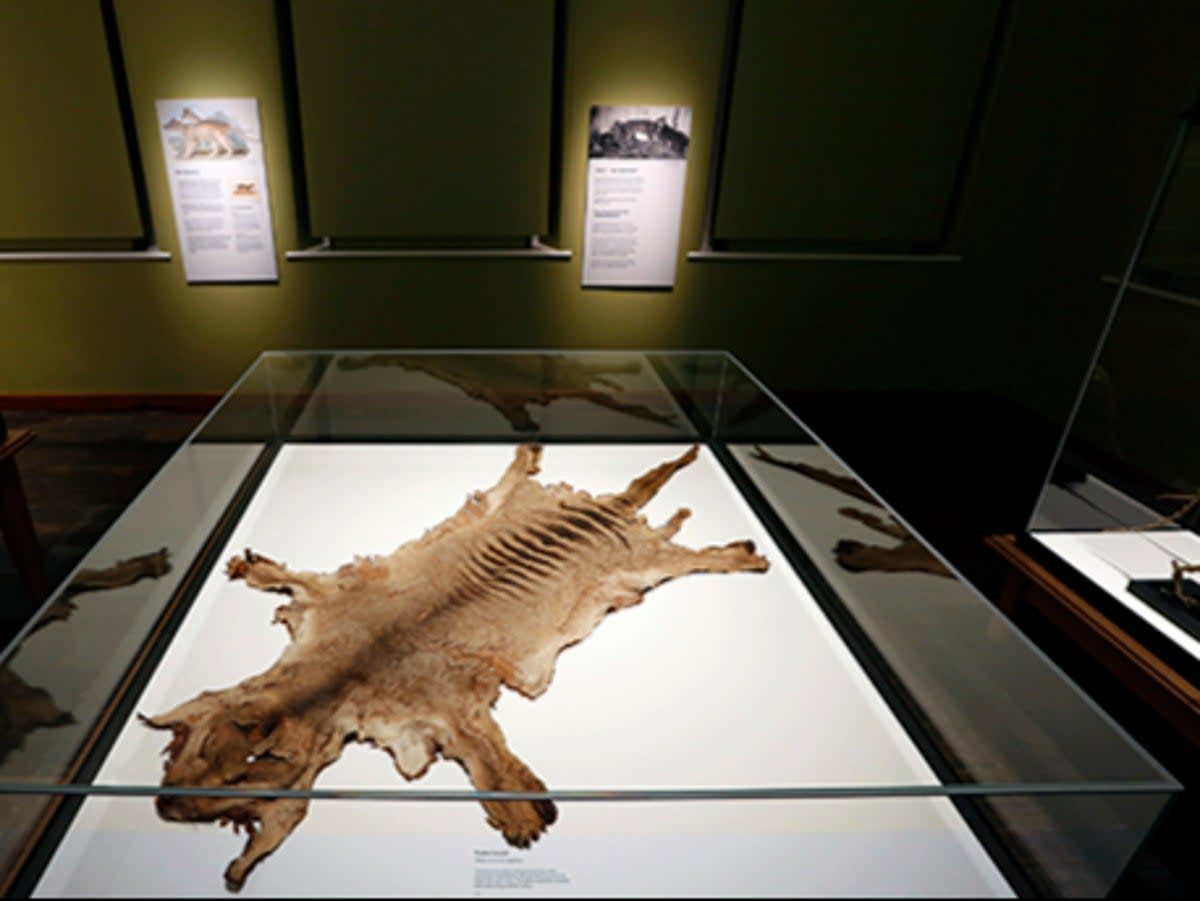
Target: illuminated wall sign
637 164
214 155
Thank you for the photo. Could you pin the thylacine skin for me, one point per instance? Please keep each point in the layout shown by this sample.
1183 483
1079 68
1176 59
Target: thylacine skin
409 651
198 132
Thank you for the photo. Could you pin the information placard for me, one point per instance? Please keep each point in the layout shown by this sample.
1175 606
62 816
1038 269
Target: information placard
214 155
637 165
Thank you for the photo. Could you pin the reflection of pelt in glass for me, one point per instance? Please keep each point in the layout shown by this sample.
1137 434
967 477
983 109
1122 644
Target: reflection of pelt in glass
408 652
511 383
639 139
907 556
212 136
24 707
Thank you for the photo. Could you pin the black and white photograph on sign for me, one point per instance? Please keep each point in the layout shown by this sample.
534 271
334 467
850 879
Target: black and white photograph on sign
637 169
640 132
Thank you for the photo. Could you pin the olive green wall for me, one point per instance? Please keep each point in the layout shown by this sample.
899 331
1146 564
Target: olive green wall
881 167
468 158
49 128
137 327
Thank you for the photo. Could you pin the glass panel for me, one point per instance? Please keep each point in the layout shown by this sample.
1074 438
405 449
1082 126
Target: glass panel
993 703
794 644
989 708
808 847
415 395
61 674
267 399
67 660
727 401
1122 502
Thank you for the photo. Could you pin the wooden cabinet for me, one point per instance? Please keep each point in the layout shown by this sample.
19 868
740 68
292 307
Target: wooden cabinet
1030 584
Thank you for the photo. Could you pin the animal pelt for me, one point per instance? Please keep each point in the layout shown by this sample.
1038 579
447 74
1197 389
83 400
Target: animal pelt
409 651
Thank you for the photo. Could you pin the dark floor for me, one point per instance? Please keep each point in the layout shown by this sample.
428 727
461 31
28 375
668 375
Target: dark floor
79 473
83 469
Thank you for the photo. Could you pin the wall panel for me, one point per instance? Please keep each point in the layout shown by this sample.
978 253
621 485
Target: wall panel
849 119
426 119
64 163
1173 248
1085 100
1086 96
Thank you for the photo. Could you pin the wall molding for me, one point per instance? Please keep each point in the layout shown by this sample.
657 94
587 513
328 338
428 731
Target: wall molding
534 249
150 254
97 403
781 256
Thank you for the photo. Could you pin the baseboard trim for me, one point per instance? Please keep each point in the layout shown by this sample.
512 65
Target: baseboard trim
98 403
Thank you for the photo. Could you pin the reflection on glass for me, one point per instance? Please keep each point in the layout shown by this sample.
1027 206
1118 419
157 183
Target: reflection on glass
1122 504
835 667
910 555
512 383
490 394
24 707
58 678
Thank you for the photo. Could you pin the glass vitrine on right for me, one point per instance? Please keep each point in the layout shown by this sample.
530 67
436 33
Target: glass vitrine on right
1122 503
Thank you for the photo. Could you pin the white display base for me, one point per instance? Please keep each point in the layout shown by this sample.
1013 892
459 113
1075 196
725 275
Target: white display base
715 681
1111 559
857 848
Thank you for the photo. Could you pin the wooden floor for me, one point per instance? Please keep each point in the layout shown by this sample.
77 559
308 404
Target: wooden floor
83 469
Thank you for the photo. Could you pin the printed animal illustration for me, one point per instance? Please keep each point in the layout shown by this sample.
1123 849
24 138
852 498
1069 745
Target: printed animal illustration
214 135
409 651
513 383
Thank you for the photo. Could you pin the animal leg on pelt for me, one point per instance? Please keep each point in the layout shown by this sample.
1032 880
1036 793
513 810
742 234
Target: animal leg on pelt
675 560
265 574
480 747
278 820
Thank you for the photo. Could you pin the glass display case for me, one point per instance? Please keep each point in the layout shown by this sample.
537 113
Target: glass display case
540 622
1121 507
